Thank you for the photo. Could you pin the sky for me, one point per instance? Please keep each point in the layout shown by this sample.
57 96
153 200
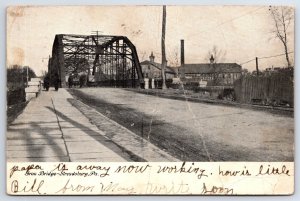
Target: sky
242 32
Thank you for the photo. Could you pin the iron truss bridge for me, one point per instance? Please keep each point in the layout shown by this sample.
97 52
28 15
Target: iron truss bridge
105 60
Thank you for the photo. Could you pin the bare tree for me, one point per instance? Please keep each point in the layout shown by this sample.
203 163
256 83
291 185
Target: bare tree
282 17
16 75
218 54
173 58
163 49
143 55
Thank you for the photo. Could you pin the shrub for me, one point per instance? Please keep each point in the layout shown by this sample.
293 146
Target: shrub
16 83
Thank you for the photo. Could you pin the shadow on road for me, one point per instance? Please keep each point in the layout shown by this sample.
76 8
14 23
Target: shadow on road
127 155
37 151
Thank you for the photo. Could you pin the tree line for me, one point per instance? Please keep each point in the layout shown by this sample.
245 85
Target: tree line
17 76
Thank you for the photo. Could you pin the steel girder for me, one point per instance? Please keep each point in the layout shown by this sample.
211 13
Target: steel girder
107 60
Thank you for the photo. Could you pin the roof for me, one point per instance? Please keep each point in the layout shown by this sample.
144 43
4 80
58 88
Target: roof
211 68
158 66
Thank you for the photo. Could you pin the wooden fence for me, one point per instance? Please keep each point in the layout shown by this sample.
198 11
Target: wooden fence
276 90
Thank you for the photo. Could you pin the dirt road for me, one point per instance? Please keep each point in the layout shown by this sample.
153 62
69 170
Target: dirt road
196 131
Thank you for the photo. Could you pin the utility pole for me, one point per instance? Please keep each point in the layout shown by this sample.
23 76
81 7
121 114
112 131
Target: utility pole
163 49
256 59
97 34
27 76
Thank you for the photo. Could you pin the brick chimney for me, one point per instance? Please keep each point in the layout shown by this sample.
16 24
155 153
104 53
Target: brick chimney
182 52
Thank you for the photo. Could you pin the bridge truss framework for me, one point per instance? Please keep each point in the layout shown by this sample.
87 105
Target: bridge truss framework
106 60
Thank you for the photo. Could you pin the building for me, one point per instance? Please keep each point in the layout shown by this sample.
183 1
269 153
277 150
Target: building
152 69
213 73
276 70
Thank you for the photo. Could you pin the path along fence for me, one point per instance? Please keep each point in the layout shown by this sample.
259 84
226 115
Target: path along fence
276 90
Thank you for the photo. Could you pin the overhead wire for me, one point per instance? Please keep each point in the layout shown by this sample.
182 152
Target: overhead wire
266 57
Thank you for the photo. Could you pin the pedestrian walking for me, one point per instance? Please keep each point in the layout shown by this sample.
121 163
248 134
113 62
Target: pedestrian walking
70 81
82 80
56 81
46 82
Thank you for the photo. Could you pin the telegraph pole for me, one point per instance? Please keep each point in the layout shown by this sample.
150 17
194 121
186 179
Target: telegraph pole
97 34
163 49
27 76
256 59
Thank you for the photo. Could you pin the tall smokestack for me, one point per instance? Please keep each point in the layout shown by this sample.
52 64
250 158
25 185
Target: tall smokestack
182 52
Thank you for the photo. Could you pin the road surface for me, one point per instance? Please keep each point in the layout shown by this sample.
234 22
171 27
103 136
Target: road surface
196 131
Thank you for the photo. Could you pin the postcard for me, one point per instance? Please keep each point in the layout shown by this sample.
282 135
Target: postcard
143 100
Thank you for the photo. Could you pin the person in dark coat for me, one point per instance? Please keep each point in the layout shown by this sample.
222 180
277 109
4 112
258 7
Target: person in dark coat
56 82
82 80
46 82
70 81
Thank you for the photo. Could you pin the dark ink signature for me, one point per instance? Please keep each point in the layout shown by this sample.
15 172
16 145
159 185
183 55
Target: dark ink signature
17 168
61 167
219 190
189 168
263 170
34 187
